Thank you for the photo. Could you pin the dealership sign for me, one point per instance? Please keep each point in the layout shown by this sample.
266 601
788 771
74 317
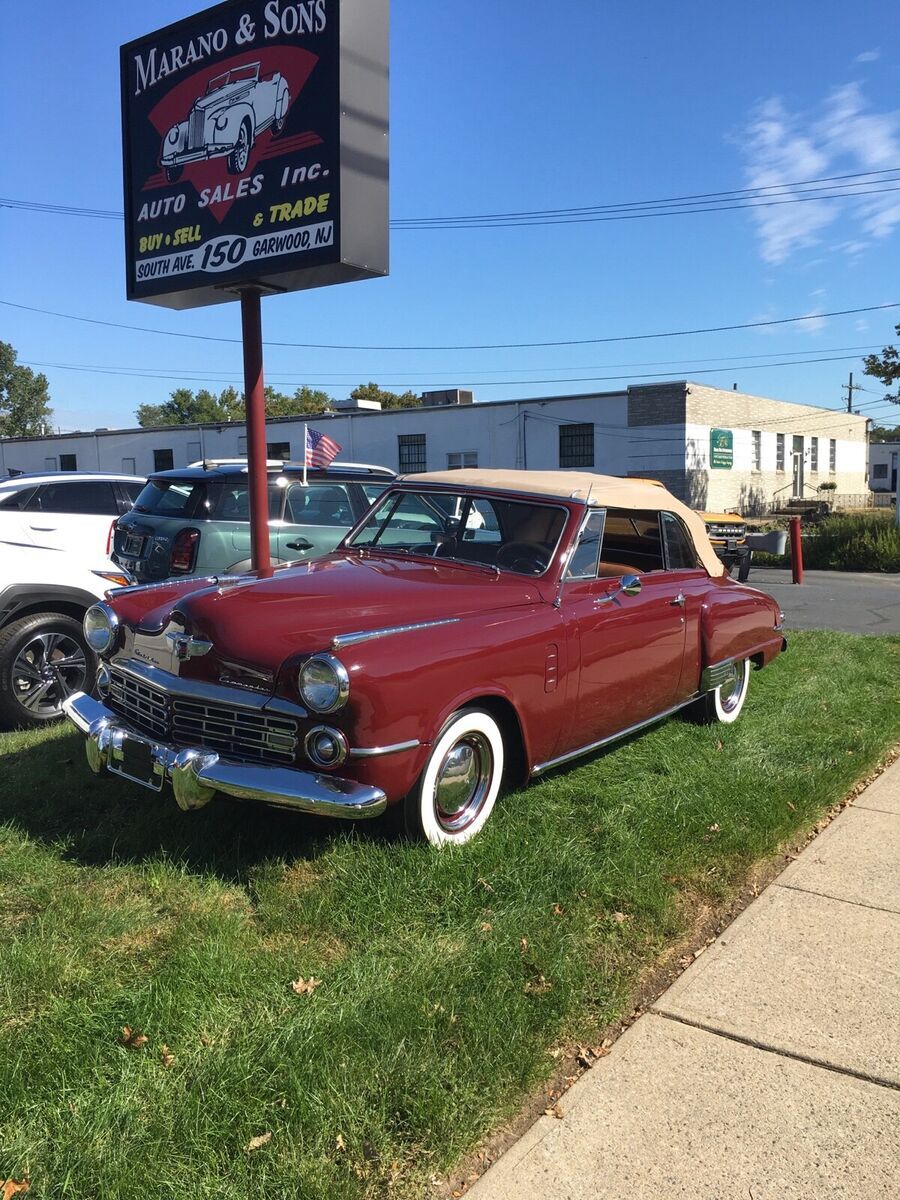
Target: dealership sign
255 150
721 448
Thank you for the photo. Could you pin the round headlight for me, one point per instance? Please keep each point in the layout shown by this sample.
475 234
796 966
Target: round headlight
221 120
173 134
323 683
100 626
325 747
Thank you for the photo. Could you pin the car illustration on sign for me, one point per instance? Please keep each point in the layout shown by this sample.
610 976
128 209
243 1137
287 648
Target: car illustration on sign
225 122
474 628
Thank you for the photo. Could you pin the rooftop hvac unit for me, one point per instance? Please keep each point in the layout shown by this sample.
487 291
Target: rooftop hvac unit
447 397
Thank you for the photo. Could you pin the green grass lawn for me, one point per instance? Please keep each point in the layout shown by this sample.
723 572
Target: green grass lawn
445 977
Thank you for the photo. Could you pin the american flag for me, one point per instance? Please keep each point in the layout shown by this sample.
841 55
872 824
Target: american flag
320 448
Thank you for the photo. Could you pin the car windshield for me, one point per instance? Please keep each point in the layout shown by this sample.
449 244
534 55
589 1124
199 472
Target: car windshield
234 76
505 535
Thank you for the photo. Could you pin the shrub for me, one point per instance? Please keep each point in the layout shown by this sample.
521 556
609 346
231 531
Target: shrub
867 541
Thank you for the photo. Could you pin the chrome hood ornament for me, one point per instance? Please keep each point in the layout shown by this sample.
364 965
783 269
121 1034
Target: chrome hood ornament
185 645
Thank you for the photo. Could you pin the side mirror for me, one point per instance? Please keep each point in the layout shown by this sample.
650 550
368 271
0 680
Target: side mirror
630 586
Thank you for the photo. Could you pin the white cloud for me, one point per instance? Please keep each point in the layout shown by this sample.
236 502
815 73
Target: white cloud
843 138
868 56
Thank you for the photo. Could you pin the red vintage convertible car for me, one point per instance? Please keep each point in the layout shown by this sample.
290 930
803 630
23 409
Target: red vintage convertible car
474 626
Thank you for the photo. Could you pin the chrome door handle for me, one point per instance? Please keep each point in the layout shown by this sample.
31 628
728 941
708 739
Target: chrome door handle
678 601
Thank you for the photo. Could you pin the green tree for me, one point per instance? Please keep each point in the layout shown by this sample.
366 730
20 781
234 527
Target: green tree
884 433
24 399
371 391
186 407
886 367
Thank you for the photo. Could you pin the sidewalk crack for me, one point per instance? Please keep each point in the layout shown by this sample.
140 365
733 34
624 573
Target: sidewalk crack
793 887
779 1051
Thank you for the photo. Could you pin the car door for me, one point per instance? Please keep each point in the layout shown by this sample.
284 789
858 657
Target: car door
629 647
70 513
316 517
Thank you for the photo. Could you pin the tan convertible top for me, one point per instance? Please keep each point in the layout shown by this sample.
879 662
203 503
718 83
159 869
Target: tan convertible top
605 491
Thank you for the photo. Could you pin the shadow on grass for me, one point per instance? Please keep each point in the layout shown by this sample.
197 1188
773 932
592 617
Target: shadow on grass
50 794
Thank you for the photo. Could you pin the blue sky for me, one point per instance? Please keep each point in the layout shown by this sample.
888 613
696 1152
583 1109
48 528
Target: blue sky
502 106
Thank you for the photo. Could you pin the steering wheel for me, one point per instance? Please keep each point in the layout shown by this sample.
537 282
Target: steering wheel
525 557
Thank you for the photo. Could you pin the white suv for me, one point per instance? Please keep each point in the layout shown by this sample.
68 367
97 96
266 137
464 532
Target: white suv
54 564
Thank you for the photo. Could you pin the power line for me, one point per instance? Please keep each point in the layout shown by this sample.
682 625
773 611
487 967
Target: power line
789 192
192 373
730 369
634 337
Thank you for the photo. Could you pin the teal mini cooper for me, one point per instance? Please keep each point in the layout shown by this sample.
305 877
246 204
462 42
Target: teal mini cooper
196 521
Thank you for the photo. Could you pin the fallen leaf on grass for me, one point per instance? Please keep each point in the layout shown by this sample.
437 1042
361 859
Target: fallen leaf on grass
537 987
303 987
557 910
586 1056
486 927
620 917
262 1140
714 828
166 1057
523 944
13 1187
132 1039
339 1142
791 806
484 883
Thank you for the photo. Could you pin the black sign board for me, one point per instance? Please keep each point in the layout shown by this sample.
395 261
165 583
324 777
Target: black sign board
255 150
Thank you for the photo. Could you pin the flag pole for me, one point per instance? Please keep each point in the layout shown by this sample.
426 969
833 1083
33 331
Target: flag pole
305 452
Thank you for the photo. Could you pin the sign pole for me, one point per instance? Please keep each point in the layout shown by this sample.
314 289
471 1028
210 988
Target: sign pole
255 406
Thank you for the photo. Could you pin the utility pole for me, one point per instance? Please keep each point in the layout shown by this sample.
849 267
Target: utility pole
851 388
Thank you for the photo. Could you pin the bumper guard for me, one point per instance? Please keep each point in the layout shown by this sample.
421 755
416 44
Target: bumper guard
197 774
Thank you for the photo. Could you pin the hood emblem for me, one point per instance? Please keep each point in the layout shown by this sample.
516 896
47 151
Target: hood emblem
184 645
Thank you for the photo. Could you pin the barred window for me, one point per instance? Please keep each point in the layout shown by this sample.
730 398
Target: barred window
879 471
779 452
814 454
576 445
411 452
757 450
832 456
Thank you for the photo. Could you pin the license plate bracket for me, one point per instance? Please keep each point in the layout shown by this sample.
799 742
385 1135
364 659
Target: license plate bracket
134 545
132 758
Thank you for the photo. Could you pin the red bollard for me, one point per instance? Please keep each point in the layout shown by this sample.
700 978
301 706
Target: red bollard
796 551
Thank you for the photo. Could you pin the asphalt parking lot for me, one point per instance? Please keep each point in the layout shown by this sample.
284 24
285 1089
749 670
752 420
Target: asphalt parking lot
841 600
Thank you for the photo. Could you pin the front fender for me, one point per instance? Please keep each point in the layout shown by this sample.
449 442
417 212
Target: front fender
235 115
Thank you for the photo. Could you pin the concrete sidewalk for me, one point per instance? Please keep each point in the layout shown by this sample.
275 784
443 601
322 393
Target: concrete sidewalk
770 1070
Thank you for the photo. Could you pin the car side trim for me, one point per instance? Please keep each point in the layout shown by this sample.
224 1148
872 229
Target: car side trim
540 768
368 635
377 751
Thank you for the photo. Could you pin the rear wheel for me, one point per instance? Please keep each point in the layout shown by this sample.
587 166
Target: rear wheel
43 660
723 704
458 787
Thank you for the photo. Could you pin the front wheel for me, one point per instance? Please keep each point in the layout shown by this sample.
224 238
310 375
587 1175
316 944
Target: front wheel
723 704
43 660
458 787
237 159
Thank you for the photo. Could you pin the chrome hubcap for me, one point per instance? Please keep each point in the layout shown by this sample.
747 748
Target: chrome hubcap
462 783
730 691
48 669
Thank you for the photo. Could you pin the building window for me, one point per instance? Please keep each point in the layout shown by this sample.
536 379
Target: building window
576 445
242 445
757 450
411 452
814 454
462 458
879 471
832 456
128 465
68 462
194 451
50 464
163 460
279 450
779 452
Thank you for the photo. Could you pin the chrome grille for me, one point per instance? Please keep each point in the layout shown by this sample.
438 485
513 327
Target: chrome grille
239 732
144 706
196 124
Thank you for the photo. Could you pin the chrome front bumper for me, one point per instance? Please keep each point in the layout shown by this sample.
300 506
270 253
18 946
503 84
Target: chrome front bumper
197 774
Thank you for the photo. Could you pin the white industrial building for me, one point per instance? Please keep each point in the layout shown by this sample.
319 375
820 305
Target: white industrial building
884 458
716 449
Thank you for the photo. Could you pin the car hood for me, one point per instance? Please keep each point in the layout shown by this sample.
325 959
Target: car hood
258 623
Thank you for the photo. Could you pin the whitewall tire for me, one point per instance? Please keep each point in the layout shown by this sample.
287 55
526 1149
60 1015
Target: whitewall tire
458 787
723 704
